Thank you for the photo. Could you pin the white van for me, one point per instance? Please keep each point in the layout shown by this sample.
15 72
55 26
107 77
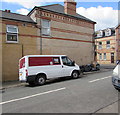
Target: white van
36 69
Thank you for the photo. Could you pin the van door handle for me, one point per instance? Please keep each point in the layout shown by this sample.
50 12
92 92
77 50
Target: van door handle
62 66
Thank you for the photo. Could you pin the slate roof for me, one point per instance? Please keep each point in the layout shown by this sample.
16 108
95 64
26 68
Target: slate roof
112 33
14 16
57 8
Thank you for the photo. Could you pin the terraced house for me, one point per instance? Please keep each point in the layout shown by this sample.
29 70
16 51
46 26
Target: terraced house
107 45
51 29
118 42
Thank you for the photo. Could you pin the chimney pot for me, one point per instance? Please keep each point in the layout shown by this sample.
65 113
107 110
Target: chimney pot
7 10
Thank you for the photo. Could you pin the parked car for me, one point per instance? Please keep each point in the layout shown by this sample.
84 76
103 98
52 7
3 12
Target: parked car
116 77
36 69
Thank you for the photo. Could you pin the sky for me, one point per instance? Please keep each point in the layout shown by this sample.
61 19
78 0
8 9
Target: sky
103 12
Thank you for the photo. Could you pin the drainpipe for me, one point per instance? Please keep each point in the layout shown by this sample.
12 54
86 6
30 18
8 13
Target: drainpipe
93 40
40 35
40 46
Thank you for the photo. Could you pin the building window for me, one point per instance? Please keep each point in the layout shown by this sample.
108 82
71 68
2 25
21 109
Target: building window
107 32
100 33
45 27
107 44
104 56
12 34
119 31
100 45
100 56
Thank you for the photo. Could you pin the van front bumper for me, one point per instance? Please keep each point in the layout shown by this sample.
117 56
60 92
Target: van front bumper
116 82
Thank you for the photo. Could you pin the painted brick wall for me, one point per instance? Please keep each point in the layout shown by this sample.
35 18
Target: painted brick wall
12 52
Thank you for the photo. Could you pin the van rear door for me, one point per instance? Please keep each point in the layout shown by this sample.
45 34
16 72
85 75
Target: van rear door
22 71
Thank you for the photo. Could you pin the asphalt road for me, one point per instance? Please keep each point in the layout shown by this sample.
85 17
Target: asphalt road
88 94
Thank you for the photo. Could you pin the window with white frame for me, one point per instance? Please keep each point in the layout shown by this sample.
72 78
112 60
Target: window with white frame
100 56
104 56
107 32
12 34
45 27
100 45
107 44
99 33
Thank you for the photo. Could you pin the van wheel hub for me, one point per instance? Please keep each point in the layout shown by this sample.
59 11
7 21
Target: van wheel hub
75 74
40 80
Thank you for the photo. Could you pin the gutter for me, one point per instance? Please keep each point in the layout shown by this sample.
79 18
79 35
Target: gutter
18 20
59 13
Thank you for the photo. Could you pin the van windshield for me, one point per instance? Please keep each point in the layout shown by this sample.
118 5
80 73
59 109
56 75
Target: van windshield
22 63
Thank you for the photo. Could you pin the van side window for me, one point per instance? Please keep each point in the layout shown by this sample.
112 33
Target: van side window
56 60
67 61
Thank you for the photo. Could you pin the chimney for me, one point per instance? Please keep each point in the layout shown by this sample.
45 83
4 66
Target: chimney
70 7
8 11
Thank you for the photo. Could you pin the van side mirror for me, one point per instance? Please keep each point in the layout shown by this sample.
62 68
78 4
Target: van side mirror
73 63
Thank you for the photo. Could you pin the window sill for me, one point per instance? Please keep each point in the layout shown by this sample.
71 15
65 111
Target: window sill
46 36
10 42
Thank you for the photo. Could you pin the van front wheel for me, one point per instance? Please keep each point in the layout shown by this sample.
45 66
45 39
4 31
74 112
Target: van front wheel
40 80
75 75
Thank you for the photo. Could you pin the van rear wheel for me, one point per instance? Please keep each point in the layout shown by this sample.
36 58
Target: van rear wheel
75 75
40 80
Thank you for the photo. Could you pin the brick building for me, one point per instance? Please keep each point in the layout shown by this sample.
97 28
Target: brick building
17 39
64 31
51 29
118 42
106 41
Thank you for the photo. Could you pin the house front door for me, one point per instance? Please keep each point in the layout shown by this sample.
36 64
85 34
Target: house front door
112 57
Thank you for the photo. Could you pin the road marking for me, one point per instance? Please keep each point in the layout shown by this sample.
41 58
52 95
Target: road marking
100 79
51 91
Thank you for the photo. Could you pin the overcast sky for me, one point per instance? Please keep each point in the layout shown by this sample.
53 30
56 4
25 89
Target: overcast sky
104 12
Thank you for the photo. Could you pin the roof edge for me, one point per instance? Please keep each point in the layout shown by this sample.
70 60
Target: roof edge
36 7
18 20
32 10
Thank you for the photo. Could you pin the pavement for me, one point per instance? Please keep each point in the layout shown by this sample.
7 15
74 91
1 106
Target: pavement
110 108
11 84
107 66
